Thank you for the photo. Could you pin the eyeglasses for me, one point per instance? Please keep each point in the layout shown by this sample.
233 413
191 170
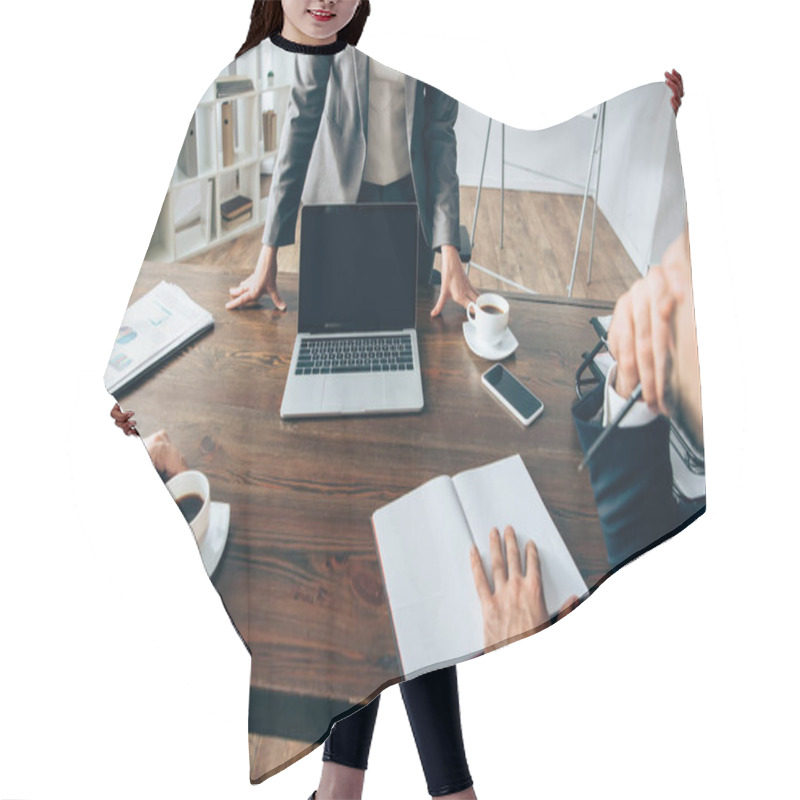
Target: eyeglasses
589 375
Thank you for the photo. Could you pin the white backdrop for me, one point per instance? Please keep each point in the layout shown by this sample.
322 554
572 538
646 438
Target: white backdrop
120 674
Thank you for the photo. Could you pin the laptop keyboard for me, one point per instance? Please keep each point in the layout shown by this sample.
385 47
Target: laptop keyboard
355 354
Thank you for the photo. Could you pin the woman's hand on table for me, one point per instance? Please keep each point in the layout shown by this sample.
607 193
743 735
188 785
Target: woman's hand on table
516 607
675 83
166 458
124 420
455 283
262 281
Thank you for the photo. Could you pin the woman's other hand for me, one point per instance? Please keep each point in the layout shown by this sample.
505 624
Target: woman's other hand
263 280
455 283
124 420
675 83
166 458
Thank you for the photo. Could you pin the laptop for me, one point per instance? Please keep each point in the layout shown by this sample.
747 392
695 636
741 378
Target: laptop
356 349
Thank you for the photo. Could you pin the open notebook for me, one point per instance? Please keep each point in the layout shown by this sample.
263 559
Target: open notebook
424 540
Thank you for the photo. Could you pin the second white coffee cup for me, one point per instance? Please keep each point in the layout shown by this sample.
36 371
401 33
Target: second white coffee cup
489 315
192 493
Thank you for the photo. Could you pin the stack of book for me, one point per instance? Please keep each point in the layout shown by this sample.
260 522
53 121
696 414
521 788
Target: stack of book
237 210
228 147
269 120
233 84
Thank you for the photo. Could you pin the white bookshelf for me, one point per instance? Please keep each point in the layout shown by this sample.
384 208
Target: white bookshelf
191 219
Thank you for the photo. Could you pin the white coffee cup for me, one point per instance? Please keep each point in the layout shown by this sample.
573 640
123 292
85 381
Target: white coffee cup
187 483
489 315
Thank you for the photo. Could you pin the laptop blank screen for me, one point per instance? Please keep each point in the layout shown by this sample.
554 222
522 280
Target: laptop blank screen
358 268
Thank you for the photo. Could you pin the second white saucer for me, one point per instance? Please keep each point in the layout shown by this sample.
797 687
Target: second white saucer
216 536
492 352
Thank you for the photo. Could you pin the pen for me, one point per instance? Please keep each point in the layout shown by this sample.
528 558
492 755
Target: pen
635 395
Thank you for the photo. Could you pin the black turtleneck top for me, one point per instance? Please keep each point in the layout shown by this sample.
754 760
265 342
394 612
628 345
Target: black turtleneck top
318 50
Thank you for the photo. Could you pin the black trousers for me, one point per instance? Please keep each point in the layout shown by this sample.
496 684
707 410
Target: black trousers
433 711
402 191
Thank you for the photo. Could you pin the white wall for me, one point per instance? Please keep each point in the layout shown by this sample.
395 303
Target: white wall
639 126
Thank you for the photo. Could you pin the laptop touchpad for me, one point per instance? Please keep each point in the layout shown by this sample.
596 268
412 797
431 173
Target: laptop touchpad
343 393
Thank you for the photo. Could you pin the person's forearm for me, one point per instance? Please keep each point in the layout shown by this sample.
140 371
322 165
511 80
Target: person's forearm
445 223
441 113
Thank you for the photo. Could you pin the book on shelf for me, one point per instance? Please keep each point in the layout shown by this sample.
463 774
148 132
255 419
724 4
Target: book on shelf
236 207
230 224
227 134
232 85
209 228
193 206
154 328
269 123
187 206
424 540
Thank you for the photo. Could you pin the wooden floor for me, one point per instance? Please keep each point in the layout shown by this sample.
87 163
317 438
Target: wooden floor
539 245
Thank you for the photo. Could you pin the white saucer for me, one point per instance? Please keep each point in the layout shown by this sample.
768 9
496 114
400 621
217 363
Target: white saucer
219 519
493 352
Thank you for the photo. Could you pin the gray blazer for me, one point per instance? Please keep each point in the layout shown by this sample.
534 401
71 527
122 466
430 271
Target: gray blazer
324 143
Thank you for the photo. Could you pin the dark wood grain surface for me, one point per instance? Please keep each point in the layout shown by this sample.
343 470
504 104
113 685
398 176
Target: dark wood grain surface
300 576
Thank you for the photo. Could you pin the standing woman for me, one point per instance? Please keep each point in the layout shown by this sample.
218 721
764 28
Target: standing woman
356 131
359 132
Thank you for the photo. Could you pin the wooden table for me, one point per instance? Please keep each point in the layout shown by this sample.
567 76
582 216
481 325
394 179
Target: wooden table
300 576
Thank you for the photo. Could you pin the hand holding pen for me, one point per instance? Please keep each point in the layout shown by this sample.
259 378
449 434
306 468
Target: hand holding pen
613 425
642 340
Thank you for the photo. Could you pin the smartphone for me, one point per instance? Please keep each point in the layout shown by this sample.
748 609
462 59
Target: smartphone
518 399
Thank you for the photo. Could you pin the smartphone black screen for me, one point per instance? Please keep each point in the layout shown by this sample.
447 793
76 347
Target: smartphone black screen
523 400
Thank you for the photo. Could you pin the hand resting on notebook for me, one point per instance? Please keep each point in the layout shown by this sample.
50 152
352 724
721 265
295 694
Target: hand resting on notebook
516 608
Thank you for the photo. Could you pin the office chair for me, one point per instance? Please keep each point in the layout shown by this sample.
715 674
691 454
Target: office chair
468 240
599 116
